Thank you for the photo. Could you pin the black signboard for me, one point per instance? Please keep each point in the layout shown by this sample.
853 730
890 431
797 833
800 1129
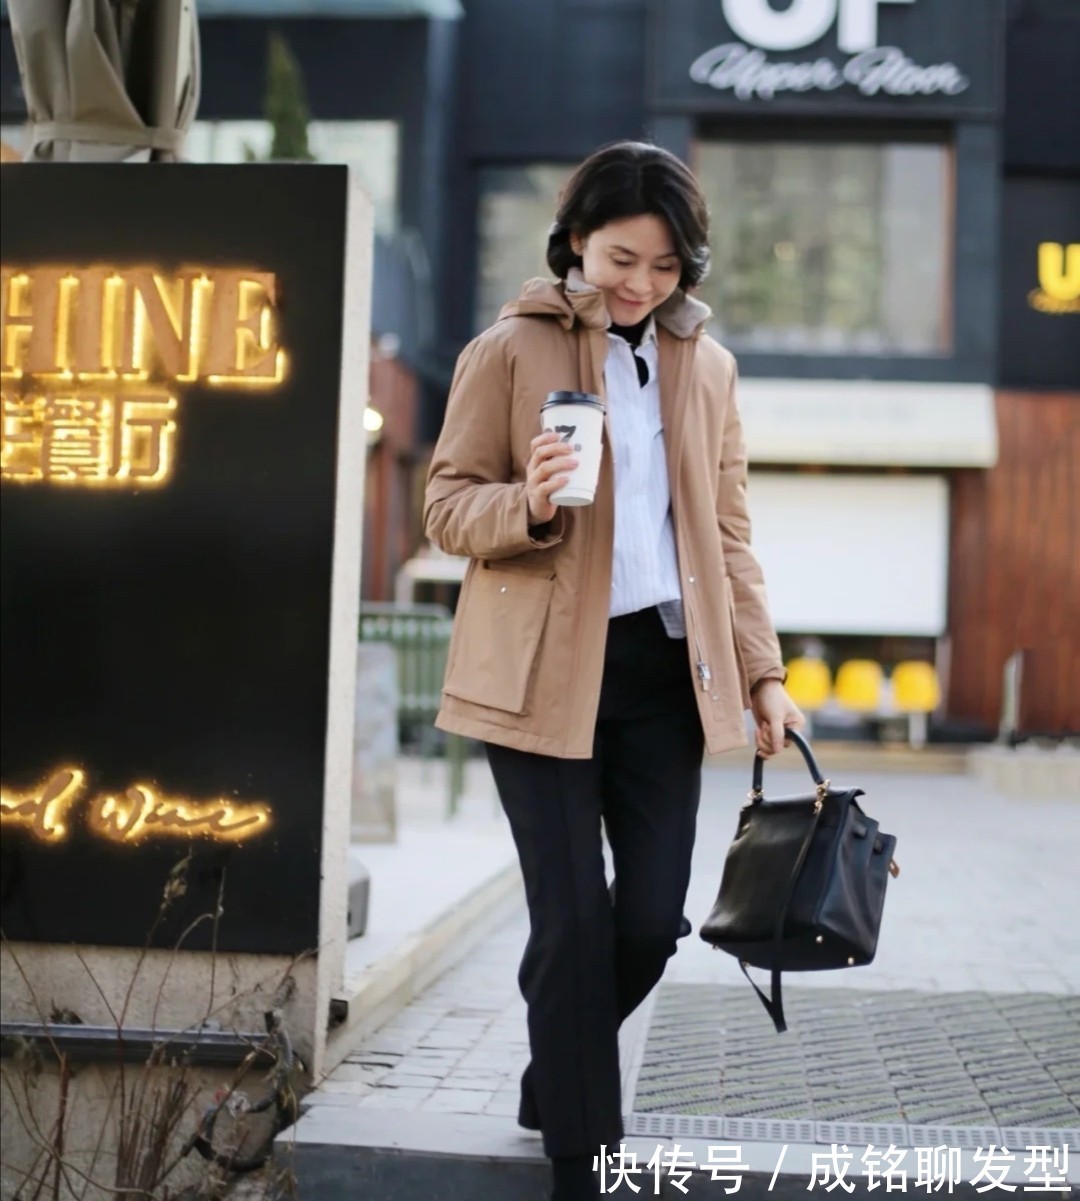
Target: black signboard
1042 89
172 349
896 58
1040 294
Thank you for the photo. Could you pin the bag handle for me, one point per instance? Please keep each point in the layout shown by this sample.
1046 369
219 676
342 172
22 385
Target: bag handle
756 792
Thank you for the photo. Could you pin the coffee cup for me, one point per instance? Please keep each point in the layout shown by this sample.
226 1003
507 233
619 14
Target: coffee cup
578 419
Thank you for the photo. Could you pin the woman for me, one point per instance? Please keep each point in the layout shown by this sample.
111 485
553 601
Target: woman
597 651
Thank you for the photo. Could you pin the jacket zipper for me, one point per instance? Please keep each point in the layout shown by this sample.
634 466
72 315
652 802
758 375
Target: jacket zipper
703 670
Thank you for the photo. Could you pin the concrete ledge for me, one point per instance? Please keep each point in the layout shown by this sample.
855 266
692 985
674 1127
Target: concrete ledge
1028 770
342 1152
384 987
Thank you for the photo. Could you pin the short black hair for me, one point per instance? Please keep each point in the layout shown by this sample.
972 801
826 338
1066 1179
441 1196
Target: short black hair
629 179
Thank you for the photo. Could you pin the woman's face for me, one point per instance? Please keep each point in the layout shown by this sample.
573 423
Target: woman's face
633 262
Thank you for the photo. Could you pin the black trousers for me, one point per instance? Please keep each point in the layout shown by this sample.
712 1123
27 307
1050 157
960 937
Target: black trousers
594 955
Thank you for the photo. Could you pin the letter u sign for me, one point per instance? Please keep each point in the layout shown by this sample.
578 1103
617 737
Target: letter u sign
1059 270
804 21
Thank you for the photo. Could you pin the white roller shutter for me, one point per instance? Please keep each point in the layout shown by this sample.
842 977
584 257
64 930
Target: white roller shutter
853 554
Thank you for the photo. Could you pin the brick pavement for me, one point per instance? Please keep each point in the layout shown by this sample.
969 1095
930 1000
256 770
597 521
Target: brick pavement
986 902
461 1047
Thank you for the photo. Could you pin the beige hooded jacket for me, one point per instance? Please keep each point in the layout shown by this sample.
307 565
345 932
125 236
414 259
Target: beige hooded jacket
527 653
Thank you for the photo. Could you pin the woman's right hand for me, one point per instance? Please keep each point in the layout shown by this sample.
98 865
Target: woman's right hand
546 472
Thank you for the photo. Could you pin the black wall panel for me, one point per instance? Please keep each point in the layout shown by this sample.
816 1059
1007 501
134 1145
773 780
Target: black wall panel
176 635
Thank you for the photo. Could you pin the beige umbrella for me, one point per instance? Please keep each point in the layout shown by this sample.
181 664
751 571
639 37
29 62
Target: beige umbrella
107 80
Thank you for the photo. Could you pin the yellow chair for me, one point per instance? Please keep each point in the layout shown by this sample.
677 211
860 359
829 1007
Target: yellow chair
859 684
916 692
915 687
809 683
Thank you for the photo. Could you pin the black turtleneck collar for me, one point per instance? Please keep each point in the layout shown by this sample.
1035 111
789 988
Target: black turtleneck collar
632 333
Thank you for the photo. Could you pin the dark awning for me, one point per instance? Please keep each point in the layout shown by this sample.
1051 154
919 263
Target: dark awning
445 9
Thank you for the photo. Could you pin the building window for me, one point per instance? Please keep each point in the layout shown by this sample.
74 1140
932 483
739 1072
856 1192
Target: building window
517 207
829 248
369 147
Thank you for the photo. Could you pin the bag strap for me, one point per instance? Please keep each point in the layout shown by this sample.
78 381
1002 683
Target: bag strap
774 1005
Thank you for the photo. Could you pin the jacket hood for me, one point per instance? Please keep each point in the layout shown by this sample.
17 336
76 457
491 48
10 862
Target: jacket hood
574 299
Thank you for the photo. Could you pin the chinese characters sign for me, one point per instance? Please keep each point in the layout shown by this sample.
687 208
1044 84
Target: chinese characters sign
86 439
172 381
92 359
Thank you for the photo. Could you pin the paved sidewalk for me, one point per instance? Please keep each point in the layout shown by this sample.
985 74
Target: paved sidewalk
435 892
964 1033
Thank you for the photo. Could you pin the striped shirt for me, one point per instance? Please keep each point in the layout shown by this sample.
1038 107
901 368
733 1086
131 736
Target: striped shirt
645 569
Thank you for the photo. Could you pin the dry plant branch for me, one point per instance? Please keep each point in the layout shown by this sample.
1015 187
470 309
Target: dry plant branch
144 1116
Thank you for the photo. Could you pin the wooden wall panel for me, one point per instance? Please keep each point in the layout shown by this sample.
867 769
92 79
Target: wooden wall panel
390 518
1015 567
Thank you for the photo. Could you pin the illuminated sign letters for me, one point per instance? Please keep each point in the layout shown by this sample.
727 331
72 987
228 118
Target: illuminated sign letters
91 359
805 21
176 350
137 815
745 70
1059 279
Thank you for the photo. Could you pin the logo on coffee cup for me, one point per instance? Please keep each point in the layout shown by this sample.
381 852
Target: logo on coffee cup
565 432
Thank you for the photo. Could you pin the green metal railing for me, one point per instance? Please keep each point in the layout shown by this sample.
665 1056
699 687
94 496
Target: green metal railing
420 636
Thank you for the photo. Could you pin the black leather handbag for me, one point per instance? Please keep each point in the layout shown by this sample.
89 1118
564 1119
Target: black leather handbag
803 885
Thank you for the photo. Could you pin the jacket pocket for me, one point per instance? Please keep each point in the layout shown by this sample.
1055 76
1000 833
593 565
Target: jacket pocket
497 632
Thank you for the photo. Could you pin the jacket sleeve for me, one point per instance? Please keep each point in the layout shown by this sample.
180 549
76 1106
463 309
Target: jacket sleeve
758 645
473 505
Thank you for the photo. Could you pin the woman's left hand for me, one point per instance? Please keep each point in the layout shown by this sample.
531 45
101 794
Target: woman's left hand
774 712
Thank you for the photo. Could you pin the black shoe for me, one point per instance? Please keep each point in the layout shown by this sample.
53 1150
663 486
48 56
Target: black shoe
574 1179
528 1115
